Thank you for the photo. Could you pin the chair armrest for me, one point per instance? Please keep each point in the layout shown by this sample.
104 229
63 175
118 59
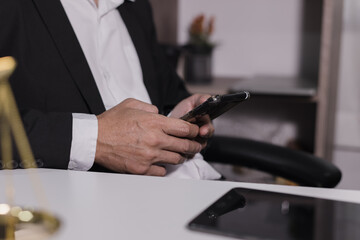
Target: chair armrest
297 166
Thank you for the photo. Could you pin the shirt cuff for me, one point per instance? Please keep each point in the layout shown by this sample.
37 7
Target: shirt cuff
83 145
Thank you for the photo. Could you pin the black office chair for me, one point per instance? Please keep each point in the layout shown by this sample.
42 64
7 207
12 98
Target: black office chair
297 166
300 167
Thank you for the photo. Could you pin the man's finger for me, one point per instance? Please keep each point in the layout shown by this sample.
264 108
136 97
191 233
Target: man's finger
206 131
202 99
181 145
180 128
173 158
156 170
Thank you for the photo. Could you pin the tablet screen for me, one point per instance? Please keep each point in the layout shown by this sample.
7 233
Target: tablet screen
256 214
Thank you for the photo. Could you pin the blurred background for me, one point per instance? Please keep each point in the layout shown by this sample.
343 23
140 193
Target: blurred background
300 59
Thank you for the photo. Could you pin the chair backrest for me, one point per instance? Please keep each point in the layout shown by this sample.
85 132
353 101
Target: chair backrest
300 167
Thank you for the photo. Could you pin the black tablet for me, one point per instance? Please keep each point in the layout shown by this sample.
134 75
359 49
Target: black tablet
256 214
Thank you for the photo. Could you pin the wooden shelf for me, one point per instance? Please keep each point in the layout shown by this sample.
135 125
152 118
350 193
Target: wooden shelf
288 92
219 85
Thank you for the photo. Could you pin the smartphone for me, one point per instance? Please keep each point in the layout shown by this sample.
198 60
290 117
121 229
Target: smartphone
216 105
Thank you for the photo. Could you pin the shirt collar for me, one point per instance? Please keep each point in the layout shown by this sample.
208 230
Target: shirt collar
106 6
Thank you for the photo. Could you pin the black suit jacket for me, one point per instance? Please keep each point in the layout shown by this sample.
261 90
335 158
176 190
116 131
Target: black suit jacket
53 79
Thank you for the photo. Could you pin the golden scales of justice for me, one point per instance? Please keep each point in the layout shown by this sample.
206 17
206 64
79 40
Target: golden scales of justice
17 222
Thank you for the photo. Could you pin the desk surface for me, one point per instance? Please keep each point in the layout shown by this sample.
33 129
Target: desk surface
117 206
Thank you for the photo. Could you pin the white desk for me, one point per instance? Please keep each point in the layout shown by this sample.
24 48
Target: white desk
114 206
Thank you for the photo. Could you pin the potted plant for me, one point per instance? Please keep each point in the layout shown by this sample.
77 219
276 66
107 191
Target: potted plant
198 51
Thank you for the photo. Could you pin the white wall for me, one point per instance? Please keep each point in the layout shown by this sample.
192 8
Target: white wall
254 36
348 107
347 134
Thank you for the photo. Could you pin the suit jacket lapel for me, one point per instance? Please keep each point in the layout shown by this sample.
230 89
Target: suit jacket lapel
139 39
70 50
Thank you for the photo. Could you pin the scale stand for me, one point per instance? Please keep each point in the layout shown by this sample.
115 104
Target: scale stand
16 222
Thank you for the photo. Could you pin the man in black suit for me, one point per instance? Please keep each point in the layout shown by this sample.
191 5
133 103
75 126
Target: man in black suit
53 80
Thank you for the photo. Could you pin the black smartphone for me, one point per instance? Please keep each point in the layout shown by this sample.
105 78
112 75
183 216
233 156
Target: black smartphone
216 105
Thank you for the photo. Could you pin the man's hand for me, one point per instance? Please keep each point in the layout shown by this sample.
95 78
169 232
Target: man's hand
134 138
206 126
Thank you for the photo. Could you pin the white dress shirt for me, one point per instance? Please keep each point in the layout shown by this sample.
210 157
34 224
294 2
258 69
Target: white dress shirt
114 63
101 32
